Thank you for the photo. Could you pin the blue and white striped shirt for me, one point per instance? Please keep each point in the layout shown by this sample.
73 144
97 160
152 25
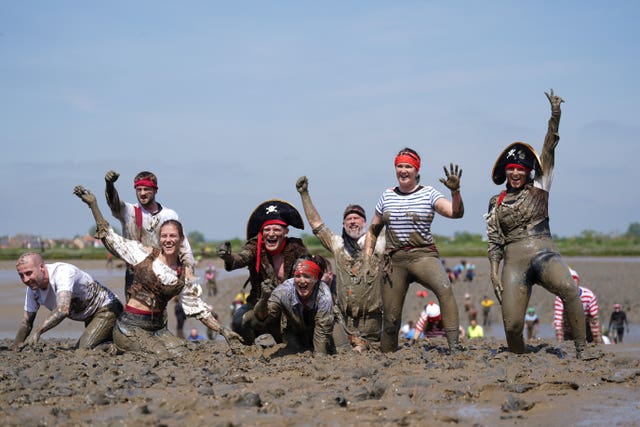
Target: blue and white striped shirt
408 217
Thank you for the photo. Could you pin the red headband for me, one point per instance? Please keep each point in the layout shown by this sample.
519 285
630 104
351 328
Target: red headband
309 267
517 166
409 158
146 182
275 251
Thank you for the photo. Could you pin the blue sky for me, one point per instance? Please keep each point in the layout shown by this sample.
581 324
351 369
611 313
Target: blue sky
230 102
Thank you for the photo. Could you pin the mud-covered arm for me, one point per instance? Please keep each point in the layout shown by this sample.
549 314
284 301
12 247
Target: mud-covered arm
128 250
323 328
495 248
261 309
63 299
111 194
24 329
322 232
372 234
242 259
551 140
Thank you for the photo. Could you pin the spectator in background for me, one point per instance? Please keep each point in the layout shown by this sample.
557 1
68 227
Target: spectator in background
195 336
474 330
531 323
590 307
617 322
486 304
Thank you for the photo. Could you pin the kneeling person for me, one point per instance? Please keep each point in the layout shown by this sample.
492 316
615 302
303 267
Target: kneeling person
306 303
68 292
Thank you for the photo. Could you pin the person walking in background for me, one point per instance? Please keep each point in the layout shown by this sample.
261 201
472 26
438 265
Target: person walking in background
141 221
617 322
430 322
590 307
531 322
68 292
520 238
210 277
474 330
358 301
486 304
180 316
407 212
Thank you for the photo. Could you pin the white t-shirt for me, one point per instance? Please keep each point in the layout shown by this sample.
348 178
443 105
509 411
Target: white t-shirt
148 235
87 296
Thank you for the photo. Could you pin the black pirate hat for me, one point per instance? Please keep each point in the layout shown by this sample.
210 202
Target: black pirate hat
273 210
519 153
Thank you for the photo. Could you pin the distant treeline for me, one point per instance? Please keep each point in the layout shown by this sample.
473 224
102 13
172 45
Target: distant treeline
588 243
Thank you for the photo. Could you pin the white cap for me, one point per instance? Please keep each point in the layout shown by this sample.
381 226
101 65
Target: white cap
433 310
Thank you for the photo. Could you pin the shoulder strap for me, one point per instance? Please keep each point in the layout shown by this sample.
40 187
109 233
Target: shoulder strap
138 212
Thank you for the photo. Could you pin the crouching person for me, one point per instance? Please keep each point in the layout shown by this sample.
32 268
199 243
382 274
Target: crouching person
305 301
68 292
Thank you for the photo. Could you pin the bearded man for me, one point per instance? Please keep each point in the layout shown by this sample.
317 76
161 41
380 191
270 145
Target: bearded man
358 302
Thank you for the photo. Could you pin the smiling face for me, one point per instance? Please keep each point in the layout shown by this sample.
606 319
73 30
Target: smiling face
305 283
516 176
33 272
354 225
407 176
274 236
170 238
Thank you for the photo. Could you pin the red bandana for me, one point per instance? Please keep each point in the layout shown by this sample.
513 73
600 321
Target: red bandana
145 182
517 166
409 158
309 267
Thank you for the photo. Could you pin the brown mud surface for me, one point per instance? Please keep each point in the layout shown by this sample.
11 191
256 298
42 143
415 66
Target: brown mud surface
420 385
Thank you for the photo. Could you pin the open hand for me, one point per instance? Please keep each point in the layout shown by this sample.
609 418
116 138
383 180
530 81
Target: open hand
554 100
452 177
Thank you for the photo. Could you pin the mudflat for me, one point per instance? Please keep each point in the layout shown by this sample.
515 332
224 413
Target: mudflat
420 384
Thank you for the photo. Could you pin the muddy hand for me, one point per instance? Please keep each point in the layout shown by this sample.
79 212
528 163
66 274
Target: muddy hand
266 287
224 249
452 177
302 185
232 339
554 100
497 287
111 176
84 194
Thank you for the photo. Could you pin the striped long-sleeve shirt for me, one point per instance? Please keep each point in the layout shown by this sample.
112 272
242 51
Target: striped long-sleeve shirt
590 306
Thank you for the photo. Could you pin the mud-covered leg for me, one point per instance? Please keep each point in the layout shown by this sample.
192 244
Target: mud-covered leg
100 328
394 290
430 273
556 278
515 298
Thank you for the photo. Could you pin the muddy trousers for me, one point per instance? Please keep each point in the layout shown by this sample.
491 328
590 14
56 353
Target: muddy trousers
425 267
99 328
534 261
147 333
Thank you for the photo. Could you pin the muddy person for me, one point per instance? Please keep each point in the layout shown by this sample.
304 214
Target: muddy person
519 236
141 221
269 254
590 307
68 292
305 302
358 303
407 211
159 275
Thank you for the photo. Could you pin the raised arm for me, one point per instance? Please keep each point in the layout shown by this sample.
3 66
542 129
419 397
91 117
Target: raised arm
551 140
113 199
455 207
302 185
102 225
